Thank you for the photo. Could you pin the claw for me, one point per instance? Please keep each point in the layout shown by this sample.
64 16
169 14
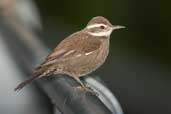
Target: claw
88 89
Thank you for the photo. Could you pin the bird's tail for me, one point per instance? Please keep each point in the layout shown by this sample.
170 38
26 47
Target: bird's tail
39 72
36 74
21 85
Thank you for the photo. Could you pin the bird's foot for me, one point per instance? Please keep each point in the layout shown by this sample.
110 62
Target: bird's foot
88 89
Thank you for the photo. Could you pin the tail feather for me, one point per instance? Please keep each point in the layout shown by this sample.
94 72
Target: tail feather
36 74
39 72
21 85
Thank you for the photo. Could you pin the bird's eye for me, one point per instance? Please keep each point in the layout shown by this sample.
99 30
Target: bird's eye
102 27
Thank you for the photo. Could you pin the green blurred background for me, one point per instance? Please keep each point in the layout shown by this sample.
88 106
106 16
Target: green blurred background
138 67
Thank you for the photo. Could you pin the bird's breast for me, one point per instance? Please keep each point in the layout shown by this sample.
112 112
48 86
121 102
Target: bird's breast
90 62
102 54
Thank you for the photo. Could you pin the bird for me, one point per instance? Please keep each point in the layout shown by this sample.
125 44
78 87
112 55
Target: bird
79 54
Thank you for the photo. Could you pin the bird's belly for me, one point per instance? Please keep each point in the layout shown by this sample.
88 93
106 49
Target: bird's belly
87 64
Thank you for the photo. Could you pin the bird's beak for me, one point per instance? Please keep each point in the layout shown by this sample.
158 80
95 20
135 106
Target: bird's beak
116 27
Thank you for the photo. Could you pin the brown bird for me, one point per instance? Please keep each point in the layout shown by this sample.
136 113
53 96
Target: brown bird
79 54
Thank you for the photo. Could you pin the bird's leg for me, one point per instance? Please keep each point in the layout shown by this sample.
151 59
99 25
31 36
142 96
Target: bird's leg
83 86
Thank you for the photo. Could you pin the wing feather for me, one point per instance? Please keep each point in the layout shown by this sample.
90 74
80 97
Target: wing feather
74 46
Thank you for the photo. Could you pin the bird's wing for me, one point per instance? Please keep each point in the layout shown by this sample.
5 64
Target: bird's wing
74 46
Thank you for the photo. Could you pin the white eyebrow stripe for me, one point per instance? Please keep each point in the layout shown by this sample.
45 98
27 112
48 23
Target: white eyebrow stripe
95 25
106 33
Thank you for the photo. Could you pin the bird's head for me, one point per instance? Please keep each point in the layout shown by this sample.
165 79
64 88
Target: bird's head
100 26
